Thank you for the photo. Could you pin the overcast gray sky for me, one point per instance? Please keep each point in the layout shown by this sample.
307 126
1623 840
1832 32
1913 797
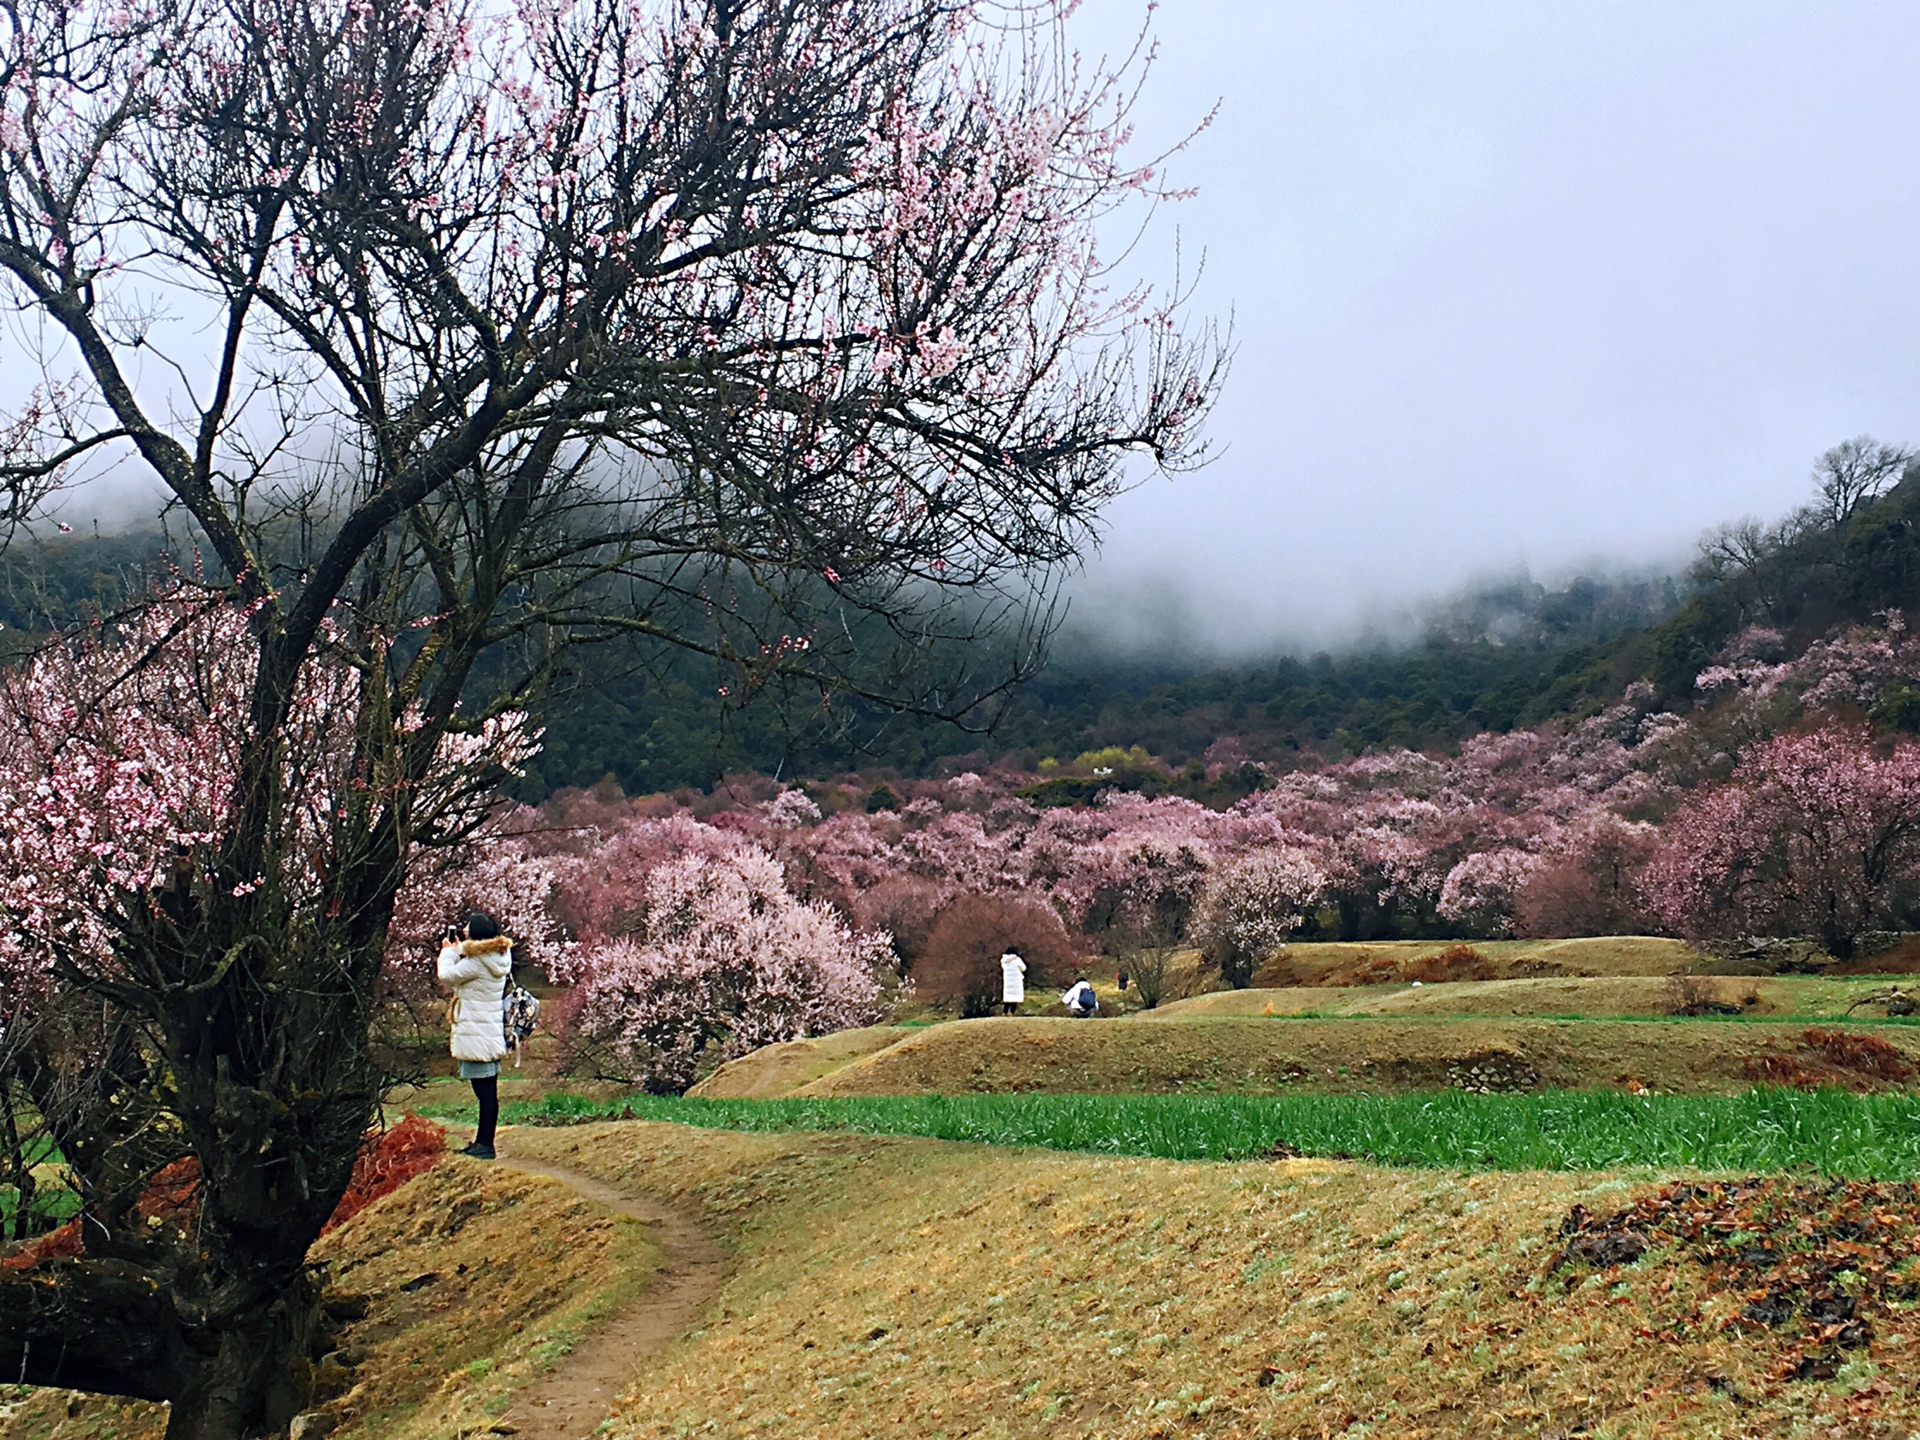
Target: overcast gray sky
1517 282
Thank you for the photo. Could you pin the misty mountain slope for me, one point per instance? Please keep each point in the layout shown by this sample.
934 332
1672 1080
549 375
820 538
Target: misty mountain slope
1493 657
1513 654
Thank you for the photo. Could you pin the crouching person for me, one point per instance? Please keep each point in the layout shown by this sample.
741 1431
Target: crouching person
1080 1000
475 959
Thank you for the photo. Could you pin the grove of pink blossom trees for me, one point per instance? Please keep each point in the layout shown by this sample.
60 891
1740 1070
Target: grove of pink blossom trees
709 955
1772 808
1817 833
760 329
1769 809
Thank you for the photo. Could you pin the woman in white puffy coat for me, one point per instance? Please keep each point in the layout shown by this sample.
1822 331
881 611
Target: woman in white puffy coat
476 961
1013 982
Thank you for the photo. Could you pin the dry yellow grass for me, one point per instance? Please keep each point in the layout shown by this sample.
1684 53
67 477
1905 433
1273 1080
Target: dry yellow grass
776 1070
910 1288
1250 1056
519 1268
1799 997
1311 962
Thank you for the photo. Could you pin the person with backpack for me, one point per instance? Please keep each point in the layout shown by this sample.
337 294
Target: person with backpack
1013 982
1080 1000
476 959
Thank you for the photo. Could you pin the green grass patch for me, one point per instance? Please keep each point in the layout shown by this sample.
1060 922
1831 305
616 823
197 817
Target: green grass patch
53 1206
1830 1132
53 1203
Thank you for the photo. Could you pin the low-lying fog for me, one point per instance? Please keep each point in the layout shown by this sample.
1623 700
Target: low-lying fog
1513 285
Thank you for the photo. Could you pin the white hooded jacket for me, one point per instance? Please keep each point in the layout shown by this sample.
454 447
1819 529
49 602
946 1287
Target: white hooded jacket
1013 979
477 970
1080 998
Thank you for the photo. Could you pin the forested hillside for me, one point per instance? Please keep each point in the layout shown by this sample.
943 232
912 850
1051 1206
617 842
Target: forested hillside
1494 657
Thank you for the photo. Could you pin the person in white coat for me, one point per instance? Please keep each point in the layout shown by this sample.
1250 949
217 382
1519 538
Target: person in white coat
476 960
1080 1000
1013 982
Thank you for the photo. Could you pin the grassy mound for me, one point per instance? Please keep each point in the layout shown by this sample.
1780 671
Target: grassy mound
454 1290
1377 1054
900 1287
1387 961
1618 997
781 1069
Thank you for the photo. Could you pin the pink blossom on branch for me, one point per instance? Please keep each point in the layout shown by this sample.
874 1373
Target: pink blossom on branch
1483 890
486 873
1249 908
118 750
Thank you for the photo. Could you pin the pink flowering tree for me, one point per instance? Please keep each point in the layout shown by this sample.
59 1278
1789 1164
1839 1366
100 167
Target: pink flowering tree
1140 897
458 331
599 884
1588 880
1817 834
689 944
1481 893
717 958
119 747
1248 909
490 872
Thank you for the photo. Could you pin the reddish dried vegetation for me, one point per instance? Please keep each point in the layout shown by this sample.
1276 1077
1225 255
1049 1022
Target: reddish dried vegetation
1834 1057
1814 1263
172 1195
961 962
411 1148
1456 962
61 1244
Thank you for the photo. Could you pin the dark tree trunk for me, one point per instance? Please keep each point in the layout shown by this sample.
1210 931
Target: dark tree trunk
259 1375
1349 918
1237 966
90 1325
109 1326
262 1077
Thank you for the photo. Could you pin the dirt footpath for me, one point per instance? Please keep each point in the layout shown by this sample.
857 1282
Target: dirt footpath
572 1399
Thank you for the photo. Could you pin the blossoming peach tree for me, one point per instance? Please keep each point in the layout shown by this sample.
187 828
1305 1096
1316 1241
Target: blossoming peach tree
1817 834
120 1027
717 958
454 334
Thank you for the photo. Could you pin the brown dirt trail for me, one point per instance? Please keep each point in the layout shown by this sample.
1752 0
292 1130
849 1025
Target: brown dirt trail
571 1400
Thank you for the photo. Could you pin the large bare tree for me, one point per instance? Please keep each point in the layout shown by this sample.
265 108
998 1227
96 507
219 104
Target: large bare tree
774 328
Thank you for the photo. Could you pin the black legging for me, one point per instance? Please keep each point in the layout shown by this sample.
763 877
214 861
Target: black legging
487 1092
